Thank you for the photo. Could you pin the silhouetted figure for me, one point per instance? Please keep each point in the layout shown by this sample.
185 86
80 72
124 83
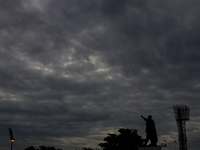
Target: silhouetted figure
151 133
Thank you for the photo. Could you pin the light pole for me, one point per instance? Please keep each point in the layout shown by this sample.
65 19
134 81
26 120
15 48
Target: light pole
12 141
11 137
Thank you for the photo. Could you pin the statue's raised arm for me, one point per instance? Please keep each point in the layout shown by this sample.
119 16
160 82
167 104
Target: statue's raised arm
144 118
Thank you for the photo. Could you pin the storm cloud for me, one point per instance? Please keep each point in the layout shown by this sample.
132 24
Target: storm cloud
73 71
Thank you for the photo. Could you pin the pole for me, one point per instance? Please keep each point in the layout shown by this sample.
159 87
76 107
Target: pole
11 145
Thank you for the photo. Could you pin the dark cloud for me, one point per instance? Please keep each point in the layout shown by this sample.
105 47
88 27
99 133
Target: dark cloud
73 71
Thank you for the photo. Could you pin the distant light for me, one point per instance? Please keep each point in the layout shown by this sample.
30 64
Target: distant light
12 140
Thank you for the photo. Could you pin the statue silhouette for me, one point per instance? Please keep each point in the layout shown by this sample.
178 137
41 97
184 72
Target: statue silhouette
151 133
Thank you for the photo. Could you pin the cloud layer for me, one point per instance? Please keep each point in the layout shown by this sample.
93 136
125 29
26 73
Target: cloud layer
73 71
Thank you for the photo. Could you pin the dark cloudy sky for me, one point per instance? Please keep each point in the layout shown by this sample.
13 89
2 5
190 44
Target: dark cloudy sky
72 71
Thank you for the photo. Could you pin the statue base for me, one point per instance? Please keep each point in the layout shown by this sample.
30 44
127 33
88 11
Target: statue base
150 148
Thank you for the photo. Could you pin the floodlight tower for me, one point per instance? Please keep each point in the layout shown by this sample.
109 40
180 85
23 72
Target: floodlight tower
182 114
11 138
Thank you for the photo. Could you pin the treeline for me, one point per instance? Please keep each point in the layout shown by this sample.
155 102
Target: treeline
42 148
127 139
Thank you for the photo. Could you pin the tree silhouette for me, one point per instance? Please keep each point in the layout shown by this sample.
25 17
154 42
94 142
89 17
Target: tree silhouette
88 148
30 148
42 148
128 139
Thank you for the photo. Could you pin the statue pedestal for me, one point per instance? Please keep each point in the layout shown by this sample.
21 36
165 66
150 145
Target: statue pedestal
150 148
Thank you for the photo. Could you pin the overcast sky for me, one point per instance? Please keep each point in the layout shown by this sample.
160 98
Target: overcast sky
72 71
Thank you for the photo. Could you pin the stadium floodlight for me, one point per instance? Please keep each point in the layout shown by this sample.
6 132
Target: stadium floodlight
182 114
11 137
11 134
